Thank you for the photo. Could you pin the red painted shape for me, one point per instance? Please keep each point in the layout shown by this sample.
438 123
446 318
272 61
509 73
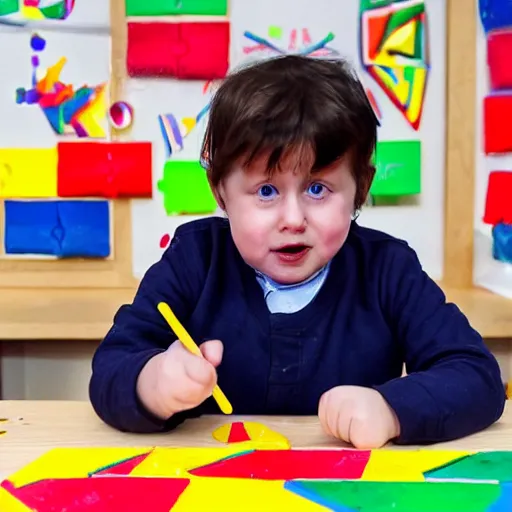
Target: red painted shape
290 464
191 50
498 204
123 494
124 467
104 169
499 52
237 433
497 131
164 241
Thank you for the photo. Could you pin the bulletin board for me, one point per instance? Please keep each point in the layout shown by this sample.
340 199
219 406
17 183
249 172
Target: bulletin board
136 158
493 148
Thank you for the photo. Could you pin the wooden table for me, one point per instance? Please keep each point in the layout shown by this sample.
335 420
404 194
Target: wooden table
33 428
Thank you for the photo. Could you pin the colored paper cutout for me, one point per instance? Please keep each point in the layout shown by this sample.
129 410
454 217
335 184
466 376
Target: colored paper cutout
165 241
185 189
394 52
303 45
105 169
174 7
28 172
398 168
255 432
400 497
120 115
497 134
37 9
499 52
192 50
498 206
100 494
502 244
64 229
289 465
69 111
496 465
495 14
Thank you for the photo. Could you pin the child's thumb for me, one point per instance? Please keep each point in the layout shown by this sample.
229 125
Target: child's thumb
212 351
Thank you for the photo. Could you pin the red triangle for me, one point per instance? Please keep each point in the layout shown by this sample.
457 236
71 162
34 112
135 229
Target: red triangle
376 28
237 433
124 467
126 494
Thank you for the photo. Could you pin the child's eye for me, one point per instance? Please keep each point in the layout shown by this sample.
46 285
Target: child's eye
317 189
267 191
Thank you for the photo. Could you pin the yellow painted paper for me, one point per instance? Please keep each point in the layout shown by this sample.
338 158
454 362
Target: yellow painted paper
222 494
92 118
420 83
72 463
259 434
177 462
30 172
406 466
9 503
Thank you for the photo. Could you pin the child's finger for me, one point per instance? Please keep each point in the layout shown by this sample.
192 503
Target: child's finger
200 371
212 351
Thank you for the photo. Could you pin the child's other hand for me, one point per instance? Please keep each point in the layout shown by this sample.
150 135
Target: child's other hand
177 380
359 416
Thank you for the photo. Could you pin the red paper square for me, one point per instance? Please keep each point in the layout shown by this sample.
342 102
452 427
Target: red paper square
196 50
497 123
499 59
498 203
97 169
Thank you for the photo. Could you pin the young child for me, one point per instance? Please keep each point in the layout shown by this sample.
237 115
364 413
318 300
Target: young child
298 309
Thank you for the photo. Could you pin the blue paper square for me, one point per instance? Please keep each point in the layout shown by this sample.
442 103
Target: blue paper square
502 242
495 14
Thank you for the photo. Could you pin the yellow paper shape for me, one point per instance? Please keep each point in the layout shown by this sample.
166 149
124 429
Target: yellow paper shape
31 13
52 75
406 466
72 463
420 83
8 503
30 172
402 40
260 436
93 118
189 123
176 462
221 494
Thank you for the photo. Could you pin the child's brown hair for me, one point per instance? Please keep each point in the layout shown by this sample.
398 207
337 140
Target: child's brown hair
292 103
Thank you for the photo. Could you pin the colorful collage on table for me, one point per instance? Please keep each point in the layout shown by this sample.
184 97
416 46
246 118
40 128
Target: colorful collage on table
59 168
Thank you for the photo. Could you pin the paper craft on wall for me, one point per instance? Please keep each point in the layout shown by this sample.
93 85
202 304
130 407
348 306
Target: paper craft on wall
80 111
28 172
261 472
175 7
37 9
495 14
497 131
64 229
394 52
499 54
185 188
186 50
398 168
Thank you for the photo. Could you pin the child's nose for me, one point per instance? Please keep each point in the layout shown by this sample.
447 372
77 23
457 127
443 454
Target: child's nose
292 216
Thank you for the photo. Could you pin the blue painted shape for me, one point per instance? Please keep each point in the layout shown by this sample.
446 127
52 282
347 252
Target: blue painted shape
86 225
29 226
502 242
58 228
495 14
297 487
504 502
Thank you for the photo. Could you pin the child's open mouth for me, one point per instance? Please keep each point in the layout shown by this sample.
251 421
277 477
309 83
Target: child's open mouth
292 253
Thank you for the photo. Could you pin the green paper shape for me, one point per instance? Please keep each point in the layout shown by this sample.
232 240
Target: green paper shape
174 7
275 32
398 166
55 11
9 7
496 465
368 5
366 496
186 189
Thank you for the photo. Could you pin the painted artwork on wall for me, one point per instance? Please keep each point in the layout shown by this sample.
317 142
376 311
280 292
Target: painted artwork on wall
493 201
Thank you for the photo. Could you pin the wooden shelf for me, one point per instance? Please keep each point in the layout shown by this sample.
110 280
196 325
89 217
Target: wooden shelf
86 314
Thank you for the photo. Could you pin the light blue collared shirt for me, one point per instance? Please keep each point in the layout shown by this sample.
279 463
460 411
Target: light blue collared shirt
290 298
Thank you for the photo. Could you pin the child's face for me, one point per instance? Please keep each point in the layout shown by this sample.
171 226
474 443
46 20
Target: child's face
289 226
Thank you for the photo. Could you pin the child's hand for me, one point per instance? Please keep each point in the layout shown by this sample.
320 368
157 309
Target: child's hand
176 380
359 416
